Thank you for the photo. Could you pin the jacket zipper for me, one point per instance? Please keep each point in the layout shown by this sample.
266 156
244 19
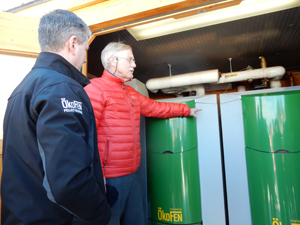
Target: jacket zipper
106 153
126 95
134 144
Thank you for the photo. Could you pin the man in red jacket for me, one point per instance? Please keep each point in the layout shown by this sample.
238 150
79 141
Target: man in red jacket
118 108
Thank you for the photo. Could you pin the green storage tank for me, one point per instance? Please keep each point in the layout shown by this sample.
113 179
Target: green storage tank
173 170
272 140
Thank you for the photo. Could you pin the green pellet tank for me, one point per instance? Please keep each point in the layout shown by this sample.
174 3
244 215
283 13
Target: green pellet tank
272 139
173 170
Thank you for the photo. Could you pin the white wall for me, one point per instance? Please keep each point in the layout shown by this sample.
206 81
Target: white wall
13 70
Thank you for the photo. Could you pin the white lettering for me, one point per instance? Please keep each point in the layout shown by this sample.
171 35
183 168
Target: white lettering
73 106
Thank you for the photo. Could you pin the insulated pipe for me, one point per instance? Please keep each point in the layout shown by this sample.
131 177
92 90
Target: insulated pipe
275 72
199 89
241 88
275 84
209 76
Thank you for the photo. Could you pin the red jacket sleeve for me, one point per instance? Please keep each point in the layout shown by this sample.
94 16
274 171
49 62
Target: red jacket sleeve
152 108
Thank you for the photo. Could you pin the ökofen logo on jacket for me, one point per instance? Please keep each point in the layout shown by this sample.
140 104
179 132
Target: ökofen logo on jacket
71 106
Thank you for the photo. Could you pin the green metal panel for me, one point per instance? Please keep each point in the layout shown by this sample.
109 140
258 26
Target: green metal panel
272 121
171 134
173 170
272 139
274 187
174 188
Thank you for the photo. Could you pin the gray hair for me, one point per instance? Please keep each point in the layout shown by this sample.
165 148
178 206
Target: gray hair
111 50
58 26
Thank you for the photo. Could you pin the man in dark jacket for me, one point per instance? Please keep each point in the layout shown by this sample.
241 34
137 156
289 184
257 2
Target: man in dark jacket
51 168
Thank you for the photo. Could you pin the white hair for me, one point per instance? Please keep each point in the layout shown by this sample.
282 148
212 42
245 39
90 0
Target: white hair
110 50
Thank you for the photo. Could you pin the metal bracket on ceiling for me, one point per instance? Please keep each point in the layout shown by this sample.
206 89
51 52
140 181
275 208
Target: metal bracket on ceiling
170 69
230 64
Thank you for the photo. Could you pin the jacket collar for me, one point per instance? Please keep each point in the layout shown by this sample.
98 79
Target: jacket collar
60 64
108 75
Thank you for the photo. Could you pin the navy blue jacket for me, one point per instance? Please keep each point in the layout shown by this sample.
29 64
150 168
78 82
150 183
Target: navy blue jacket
51 165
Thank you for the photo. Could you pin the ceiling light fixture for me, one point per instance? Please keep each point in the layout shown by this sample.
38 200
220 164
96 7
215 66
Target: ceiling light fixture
248 8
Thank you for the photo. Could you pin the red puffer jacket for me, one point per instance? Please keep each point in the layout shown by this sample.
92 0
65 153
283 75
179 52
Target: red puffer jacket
117 109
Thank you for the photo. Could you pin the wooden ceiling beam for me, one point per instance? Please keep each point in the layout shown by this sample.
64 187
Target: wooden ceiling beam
159 13
42 8
204 9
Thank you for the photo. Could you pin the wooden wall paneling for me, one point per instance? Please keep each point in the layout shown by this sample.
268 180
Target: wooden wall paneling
18 34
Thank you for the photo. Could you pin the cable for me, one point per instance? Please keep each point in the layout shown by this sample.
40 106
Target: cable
116 67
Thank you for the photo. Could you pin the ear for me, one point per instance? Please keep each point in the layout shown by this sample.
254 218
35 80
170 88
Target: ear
72 44
112 61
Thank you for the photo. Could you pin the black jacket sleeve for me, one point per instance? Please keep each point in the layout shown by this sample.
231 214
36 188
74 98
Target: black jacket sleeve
66 138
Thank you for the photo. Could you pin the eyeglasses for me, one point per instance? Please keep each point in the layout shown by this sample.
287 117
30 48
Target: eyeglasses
129 59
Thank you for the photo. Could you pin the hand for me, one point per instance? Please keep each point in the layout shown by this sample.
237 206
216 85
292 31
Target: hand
194 112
